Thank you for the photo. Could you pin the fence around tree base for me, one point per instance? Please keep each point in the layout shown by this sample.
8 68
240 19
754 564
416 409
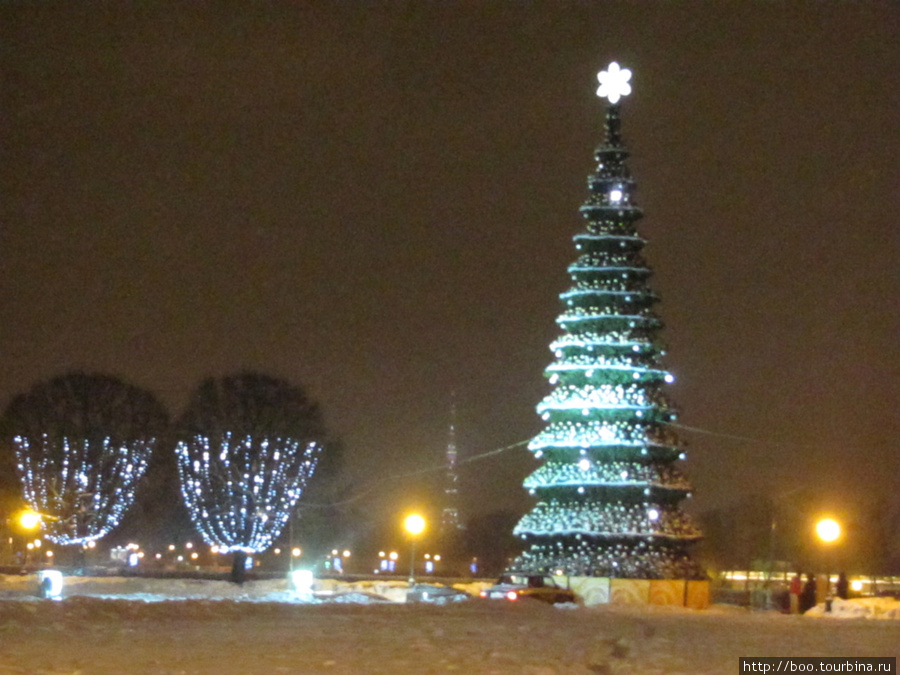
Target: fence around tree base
672 592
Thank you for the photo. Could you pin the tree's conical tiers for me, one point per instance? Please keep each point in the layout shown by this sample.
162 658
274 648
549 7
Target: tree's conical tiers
609 489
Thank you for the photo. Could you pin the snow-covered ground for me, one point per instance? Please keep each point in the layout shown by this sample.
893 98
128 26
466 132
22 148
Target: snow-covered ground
129 625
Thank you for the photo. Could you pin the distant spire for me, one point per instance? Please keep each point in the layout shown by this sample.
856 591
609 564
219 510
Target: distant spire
450 513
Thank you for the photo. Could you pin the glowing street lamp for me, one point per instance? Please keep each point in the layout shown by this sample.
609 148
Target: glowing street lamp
828 530
30 520
414 525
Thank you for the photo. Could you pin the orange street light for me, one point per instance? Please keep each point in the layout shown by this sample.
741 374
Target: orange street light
30 520
414 525
828 530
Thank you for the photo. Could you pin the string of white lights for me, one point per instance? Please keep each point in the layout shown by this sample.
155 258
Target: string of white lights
745 439
379 483
81 487
240 492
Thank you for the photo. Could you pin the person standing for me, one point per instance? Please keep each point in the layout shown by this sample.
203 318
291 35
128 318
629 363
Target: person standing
842 587
808 596
796 588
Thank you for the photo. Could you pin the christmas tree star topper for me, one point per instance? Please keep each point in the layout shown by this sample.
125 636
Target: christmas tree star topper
614 82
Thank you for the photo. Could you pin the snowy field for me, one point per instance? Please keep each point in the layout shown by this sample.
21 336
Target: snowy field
121 625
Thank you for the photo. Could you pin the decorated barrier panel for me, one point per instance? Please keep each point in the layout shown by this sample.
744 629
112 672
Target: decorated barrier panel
697 595
667 592
591 590
629 591
674 592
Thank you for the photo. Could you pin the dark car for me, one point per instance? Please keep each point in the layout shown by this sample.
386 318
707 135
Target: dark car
435 594
514 586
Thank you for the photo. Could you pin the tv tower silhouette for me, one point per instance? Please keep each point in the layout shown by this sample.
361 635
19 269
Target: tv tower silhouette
450 512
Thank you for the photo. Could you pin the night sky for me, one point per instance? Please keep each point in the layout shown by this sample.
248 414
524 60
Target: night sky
376 200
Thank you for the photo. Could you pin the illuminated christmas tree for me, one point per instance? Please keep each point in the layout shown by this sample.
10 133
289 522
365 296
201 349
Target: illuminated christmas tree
82 445
246 447
608 489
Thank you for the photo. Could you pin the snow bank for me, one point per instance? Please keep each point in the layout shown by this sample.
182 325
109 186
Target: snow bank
334 591
157 590
859 608
271 590
110 626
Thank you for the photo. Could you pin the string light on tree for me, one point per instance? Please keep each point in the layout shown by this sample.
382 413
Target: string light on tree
83 443
100 479
240 492
247 446
609 488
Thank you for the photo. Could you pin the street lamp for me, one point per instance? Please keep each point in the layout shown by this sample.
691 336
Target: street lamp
414 525
27 522
828 530
30 520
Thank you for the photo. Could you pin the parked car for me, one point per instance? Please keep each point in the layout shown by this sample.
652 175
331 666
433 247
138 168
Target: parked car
513 586
435 594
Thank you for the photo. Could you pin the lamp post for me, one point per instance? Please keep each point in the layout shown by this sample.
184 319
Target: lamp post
829 531
414 525
776 526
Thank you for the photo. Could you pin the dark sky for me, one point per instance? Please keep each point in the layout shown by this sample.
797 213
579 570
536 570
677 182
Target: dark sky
376 200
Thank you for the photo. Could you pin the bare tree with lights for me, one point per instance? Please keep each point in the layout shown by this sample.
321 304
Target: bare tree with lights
608 490
82 444
246 447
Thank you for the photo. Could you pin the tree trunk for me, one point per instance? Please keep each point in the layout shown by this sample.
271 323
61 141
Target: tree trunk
238 569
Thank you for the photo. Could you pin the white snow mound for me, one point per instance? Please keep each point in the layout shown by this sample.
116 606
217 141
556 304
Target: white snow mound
859 608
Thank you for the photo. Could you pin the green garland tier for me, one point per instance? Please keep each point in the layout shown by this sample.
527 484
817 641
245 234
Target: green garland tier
609 489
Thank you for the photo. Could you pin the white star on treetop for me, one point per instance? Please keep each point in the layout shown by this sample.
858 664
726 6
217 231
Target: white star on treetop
614 82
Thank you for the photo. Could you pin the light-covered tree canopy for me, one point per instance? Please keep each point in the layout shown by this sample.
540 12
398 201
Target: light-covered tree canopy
82 444
246 445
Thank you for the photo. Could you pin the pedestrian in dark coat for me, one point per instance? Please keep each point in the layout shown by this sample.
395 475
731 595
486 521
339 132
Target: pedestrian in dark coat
842 587
808 596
